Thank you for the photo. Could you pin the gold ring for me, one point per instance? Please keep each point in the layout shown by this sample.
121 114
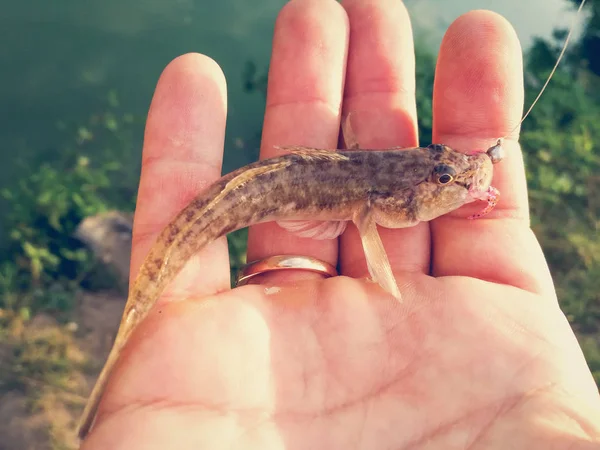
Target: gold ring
284 262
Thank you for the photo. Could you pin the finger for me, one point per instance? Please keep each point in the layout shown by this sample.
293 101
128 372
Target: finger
478 97
183 151
380 98
303 106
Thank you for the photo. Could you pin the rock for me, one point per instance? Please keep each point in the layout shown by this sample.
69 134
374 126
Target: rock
108 236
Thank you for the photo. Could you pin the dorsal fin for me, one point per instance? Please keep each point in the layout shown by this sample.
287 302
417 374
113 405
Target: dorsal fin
234 183
314 153
348 134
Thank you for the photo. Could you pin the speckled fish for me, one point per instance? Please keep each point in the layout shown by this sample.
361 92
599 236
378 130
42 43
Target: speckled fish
313 193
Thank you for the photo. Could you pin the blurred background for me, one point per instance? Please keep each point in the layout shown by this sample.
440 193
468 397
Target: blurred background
76 81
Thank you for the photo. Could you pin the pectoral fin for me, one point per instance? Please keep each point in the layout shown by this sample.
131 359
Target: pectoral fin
377 260
314 229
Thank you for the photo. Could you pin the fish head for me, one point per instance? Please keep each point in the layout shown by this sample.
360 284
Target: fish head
455 179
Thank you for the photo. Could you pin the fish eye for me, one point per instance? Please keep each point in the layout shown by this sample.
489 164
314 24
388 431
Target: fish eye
444 174
445 178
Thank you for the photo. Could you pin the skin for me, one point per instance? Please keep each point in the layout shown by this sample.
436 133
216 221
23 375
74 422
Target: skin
478 355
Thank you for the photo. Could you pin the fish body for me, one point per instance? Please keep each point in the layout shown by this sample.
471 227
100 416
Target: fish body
313 193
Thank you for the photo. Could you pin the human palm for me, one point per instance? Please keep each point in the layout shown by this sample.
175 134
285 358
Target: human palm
478 353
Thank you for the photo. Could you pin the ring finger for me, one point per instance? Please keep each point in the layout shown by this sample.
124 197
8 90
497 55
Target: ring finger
380 98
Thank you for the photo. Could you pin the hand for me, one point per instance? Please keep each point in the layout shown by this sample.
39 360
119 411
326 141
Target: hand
478 355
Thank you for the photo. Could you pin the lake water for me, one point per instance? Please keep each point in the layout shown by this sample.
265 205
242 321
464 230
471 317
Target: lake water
59 60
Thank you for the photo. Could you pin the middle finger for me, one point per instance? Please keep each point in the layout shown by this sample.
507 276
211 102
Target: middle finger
304 96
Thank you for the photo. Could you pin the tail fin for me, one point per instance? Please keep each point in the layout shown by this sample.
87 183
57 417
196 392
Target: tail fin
186 235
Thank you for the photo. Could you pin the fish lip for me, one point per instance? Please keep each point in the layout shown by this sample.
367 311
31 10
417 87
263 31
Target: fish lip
475 193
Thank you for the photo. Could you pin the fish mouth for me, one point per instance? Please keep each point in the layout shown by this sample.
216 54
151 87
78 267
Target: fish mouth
479 178
473 181
476 185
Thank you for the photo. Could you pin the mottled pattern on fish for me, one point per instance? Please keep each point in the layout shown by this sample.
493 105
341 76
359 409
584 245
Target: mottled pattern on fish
393 188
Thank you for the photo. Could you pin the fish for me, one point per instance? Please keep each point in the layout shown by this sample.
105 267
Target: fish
313 193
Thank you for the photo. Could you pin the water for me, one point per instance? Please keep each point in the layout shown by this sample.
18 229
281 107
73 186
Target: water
59 60
62 58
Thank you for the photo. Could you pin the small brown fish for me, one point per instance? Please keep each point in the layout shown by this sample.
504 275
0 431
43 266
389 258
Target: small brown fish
313 193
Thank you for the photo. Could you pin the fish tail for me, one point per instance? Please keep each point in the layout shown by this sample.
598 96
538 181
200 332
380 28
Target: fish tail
91 407
204 220
164 261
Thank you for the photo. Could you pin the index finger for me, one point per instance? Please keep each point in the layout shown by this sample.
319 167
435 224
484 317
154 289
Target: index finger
183 152
478 98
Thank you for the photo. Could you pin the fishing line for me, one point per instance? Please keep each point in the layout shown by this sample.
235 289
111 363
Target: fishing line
560 57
